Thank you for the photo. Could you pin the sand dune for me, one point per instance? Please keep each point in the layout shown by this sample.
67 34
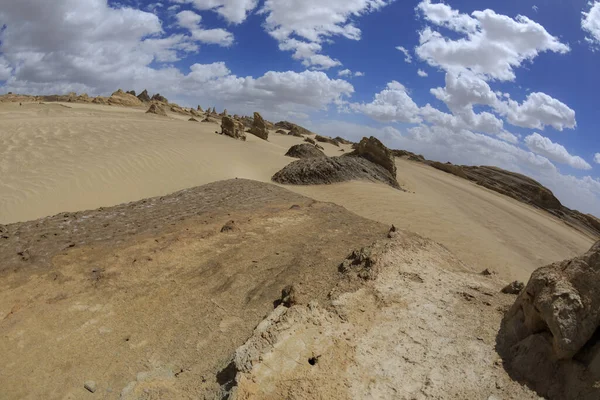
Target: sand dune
56 158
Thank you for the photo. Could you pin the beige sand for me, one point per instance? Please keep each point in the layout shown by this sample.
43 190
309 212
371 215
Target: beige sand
54 159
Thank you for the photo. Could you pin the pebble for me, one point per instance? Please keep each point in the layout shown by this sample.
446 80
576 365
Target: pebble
90 386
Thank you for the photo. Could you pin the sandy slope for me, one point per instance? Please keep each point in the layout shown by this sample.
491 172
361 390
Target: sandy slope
55 159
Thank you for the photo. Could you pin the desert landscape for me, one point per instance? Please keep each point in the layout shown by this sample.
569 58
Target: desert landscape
153 251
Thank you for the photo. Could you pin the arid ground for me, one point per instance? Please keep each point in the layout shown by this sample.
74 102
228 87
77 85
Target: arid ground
174 294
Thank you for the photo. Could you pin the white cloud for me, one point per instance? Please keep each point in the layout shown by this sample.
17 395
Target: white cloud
590 23
407 55
465 89
191 21
535 8
347 72
86 46
5 69
555 152
492 46
301 26
233 11
537 111
422 73
393 104
597 158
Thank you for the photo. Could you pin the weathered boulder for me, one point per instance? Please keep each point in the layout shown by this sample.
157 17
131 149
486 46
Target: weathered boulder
144 97
289 126
295 131
225 113
193 119
325 139
550 336
341 140
232 128
159 98
376 152
259 127
131 92
281 132
304 150
309 140
200 109
156 109
328 170
210 120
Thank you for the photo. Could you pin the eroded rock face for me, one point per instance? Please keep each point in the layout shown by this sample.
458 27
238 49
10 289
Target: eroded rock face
122 98
156 109
232 128
158 97
144 97
376 152
259 127
550 335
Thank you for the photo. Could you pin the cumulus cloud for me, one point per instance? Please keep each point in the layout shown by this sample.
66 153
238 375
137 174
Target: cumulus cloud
87 46
422 73
555 152
393 104
191 21
590 23
492 44
348 73
597 158
301 26
407 55
537 111
233 11
465 89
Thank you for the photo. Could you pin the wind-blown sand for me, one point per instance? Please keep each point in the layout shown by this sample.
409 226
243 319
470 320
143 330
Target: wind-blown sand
54 159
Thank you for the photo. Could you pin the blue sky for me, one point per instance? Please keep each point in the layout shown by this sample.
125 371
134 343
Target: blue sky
509 83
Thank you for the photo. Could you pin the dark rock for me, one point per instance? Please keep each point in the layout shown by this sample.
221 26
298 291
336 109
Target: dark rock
324 139
513 288
159 98
304 150
326 170
156 109
281 132
288 296
90 386
229 227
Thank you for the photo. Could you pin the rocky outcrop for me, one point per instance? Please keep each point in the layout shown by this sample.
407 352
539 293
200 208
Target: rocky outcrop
304 150
408 155
199 109
376 152
295 131
210 120
159 98
551 335
156 109
232 128
193 119
341 140
449 168
281 132
144 97
131 92
289 126
309 140
328 170
120 98
259 127
325 139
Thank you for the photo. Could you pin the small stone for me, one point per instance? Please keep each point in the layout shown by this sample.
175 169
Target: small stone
514 288
90 386
488 272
